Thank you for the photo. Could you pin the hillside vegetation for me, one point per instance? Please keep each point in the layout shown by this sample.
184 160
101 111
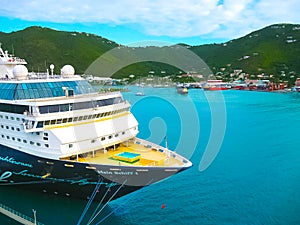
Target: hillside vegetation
274 50
43 46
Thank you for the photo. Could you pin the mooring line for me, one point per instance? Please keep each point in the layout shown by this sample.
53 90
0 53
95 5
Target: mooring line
89 202
91 220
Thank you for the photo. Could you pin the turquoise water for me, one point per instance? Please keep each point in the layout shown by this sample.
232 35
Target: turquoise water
254 178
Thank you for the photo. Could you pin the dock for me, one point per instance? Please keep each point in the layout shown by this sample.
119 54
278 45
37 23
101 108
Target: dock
19 217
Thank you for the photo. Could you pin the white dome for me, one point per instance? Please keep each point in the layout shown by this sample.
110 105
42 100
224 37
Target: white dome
20 72
67 71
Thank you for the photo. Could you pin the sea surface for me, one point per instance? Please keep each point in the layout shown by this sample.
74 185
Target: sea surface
245 150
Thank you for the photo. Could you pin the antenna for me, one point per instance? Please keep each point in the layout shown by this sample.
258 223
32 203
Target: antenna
51 68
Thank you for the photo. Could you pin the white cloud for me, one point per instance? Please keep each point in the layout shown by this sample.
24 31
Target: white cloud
176 18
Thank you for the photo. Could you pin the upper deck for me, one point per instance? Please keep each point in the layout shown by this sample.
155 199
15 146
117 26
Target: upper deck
136 153
43 88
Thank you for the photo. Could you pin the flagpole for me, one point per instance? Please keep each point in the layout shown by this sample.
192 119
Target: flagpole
166 139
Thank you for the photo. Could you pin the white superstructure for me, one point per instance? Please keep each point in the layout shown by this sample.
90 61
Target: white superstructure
60 115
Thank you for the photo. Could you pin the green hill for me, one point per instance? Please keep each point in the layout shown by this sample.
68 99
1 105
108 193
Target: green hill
271 50
43 46
274 50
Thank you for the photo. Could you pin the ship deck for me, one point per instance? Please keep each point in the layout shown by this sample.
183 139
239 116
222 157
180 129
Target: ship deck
131 154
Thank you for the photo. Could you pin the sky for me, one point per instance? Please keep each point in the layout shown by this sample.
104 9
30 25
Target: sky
130 22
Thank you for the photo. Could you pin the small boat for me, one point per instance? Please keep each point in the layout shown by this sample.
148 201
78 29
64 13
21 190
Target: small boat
140 93
296 88
182 90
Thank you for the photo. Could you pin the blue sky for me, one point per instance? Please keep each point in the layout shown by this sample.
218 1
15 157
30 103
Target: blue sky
126 22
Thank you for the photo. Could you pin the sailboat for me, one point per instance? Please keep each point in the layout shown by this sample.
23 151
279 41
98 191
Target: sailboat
141 91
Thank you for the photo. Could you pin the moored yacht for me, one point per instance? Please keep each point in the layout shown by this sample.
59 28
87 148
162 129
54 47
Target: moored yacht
60 136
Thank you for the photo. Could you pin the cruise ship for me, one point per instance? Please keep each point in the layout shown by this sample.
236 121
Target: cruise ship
60 136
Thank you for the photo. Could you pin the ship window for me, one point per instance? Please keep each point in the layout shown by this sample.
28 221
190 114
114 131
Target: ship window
12 128
37 133
93 141
2 126
53 122
7 137
116 135
94 116
70 92
1 116
2 135
13 138
53 108
90 117
18 119
45 134
6 117
109 137
70 145
75 119
59 121
47 145
45 138
19 140
7 127
24 141
19 109
47 122
123 132
12 118
98 115
85 117
80 118
64 120
64 107
18 129
31 142
70 120
38 144
103 138
43 109
39 124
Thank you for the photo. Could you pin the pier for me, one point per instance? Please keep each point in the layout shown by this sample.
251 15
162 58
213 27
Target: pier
19 217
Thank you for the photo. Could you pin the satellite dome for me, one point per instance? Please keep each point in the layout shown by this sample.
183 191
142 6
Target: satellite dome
20 72
67 71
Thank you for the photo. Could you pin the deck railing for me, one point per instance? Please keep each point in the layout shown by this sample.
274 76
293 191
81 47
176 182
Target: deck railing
159 148
20 215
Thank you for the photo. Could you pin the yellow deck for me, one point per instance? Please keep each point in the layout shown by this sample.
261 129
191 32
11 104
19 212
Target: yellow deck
148 156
